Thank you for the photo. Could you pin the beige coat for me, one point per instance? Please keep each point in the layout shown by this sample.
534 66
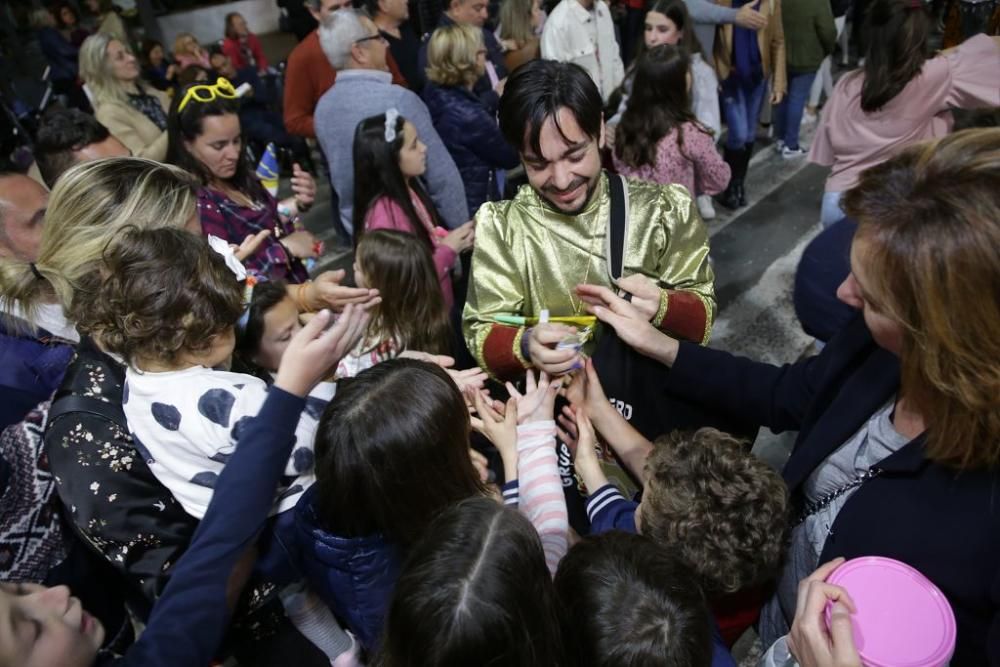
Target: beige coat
771 41
131 127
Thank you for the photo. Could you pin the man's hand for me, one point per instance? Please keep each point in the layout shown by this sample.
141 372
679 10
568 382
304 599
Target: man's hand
750 18
541 348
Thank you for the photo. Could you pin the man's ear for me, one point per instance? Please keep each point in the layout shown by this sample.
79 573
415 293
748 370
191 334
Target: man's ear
358 54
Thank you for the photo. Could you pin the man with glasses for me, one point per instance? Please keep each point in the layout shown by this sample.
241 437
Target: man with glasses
364 88
309 74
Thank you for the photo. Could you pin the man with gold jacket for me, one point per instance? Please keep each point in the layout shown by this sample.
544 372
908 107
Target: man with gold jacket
534 250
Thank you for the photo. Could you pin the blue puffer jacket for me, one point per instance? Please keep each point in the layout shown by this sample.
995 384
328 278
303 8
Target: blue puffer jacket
472 136
354 576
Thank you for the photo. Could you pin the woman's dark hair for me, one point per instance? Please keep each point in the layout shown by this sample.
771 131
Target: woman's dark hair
147 47
677 12
474 590
56 11
660 102
412 312
626 602
250 327
377 174
898 33
193 75
186 125
230 32
164 292
392 452
536 91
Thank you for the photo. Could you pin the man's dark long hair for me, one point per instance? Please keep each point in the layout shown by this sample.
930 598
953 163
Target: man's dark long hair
536 91
898 32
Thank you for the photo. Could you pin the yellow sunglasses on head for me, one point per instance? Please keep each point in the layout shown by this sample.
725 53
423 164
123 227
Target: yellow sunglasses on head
207 92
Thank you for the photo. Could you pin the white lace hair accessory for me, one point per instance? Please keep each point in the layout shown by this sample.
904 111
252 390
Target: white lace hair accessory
222 247
391 116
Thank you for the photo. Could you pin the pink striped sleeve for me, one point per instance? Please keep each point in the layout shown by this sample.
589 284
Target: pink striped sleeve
542 499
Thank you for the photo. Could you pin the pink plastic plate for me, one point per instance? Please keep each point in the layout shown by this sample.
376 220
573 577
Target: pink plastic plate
902 619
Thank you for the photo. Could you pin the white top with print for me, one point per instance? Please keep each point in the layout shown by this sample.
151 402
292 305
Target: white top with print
186 425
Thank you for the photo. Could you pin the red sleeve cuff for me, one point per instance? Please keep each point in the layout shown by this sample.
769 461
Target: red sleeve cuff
499 353
686 317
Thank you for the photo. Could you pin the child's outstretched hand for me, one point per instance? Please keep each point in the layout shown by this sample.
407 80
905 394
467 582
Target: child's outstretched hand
578 433
539 399
315 349
585 390
499 428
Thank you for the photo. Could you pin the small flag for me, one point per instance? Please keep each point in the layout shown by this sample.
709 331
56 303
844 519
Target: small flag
267 170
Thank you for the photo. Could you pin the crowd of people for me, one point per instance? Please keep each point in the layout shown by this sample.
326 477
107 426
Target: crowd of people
503 436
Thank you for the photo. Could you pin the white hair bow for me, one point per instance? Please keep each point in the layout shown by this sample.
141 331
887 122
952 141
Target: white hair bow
391 116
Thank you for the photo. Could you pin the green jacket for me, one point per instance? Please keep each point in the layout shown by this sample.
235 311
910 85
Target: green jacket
810 34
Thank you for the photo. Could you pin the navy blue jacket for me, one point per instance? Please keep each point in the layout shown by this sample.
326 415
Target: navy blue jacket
60 53
355 576
494 53
190 618
944 523
473 138
31 369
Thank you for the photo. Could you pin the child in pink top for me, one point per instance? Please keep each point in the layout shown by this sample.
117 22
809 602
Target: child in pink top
876 111
389 160
658 138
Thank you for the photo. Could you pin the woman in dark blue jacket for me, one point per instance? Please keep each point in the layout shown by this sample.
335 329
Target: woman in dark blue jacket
456 58
898 452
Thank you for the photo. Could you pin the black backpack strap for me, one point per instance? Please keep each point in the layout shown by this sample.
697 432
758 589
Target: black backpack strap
617 226
86 404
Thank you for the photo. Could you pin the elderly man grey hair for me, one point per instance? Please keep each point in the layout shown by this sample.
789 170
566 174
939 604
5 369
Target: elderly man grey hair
339 33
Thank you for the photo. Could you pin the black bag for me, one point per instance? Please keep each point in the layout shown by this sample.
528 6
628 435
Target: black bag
633 382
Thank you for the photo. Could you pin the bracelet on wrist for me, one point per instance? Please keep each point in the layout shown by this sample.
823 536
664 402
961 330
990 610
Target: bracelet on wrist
301 297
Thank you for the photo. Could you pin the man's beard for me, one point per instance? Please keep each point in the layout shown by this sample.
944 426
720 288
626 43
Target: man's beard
591 187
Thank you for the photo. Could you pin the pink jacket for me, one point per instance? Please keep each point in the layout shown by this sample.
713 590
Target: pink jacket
384 213
850 140
699 168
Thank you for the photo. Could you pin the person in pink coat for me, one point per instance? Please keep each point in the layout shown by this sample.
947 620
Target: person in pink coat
389 160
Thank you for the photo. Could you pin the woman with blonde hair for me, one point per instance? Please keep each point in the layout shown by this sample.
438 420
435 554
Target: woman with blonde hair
898 451
132 110
188 52
519 31
456 58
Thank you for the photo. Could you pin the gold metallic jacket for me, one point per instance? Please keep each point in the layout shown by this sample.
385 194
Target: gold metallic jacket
529 257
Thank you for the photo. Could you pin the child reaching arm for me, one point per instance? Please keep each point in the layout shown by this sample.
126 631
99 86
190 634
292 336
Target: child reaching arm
529 457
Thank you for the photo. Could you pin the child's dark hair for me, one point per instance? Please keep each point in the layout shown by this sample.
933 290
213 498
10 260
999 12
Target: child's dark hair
392 451
722 511
626 602
164 291
250 326
474 590
660 102
377 174
412 311
186 125
677 12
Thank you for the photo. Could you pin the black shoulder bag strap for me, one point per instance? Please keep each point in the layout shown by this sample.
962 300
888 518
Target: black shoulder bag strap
617 227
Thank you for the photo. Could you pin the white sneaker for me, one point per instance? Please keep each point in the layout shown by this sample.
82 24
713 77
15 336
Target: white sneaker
809 118
705 207
790 153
